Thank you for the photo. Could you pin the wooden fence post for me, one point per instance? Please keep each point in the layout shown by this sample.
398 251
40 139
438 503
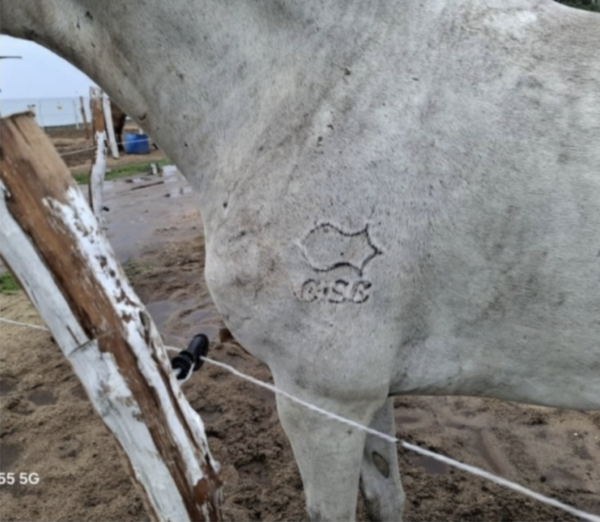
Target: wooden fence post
98 170
110 128
84 117
53 244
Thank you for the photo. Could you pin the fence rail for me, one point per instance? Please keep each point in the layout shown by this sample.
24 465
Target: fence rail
50 112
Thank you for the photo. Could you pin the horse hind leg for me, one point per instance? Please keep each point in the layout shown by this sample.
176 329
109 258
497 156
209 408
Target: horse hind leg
379 476
328 453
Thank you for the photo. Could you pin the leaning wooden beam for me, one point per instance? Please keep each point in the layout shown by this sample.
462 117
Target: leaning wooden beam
98 170
53 244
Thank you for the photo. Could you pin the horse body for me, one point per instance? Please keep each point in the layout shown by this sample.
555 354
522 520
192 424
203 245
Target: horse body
398 198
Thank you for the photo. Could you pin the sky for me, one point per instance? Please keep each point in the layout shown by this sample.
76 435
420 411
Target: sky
39 74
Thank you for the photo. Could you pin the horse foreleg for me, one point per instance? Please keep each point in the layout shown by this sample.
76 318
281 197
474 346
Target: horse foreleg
379 476
329 455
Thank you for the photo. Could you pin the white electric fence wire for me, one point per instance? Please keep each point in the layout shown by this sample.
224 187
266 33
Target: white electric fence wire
71 152
503 482
10 321
440 458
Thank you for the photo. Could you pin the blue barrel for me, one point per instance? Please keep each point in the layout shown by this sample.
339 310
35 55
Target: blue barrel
136 144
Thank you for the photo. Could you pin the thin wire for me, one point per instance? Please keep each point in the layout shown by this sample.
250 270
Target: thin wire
76 152
502 482
293 398
44 329
24 324
71 152
440 458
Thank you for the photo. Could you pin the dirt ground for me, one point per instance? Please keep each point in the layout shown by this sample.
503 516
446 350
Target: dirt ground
49 428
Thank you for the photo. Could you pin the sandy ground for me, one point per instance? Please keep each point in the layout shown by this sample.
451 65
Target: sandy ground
48 426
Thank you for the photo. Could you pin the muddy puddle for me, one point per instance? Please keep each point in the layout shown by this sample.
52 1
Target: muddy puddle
140 212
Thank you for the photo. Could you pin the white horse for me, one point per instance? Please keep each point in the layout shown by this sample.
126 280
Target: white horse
399 197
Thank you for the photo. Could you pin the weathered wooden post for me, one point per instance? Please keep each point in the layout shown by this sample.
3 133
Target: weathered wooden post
76 116
84 117
110 128
98 170
53 244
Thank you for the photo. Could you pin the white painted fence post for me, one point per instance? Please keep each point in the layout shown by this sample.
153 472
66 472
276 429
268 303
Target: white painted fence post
98 170
110 128
53 244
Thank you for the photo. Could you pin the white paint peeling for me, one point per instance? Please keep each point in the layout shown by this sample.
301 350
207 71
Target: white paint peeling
95 249
98 371
23 259
110 129
205 512
108 389
76 215
97 175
